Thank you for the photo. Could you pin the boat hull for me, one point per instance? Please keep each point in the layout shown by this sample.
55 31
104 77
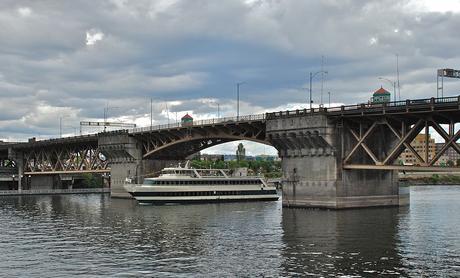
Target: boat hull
164 195
204 201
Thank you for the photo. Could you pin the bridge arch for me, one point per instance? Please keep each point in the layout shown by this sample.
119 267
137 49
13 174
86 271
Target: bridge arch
184 147
181 142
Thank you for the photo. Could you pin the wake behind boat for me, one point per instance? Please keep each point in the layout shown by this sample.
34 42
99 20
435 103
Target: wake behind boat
187 185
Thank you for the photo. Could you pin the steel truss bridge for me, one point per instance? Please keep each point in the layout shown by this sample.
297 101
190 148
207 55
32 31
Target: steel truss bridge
394 124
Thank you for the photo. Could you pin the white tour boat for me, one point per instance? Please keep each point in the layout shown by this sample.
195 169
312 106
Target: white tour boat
188 185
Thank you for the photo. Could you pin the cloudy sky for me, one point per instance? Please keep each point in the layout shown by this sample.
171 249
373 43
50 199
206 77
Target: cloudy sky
71 59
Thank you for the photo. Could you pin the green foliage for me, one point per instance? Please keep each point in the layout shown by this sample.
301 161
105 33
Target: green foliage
270 169
91 181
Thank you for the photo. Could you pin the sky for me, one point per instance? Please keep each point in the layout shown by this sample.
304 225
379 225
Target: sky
71 61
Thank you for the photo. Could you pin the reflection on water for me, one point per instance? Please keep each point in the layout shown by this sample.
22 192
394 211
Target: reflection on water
350 242
94 235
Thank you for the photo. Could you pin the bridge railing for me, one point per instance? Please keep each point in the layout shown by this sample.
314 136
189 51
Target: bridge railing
245 118
393 105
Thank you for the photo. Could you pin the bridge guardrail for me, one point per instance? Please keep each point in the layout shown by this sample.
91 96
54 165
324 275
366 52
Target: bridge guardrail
245 118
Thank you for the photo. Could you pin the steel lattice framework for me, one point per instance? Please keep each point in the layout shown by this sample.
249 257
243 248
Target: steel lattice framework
380 135
65 159
67 155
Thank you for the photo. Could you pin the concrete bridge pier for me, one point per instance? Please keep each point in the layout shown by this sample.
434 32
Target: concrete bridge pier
312 149
18 158
125 157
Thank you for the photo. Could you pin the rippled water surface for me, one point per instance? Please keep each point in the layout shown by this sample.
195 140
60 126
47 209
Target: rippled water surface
93 235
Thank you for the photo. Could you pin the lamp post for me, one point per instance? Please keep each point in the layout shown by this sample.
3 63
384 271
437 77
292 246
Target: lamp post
312 75
151 113
393 83
238 99
60 124
106 114
329 96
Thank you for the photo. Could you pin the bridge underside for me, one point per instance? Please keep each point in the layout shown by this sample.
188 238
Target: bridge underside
179 143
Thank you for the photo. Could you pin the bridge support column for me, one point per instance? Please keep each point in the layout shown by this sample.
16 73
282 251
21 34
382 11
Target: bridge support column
310 147
124 154
18 158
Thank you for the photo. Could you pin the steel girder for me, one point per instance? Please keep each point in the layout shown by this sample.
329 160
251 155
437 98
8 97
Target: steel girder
73 158
181 142
381 140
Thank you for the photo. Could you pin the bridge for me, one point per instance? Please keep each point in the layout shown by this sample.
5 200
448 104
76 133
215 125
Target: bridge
335 157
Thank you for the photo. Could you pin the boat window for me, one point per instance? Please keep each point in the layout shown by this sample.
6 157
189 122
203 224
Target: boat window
149 182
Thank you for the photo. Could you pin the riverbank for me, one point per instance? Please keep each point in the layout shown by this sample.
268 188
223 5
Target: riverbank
54 191
430 178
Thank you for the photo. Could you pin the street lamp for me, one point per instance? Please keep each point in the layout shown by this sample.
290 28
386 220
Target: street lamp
106 114
312 75
60 124
393 83
238 99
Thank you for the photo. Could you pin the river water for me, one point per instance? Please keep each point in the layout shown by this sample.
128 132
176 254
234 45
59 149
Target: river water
93 235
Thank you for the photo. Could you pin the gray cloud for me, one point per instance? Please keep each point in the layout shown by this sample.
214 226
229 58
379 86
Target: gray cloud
191 53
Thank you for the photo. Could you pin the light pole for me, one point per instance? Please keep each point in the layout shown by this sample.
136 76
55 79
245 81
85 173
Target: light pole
238 99
312 75
106 114
393 83
60 125
329 96
151 113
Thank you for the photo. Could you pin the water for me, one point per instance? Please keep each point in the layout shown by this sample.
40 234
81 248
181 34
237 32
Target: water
93 235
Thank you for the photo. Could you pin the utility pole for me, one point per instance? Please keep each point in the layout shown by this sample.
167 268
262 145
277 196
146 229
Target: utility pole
60 127
238 99
393 83
322 79
151 112
106 114
312 75
397 76
218 111
329 95
167 112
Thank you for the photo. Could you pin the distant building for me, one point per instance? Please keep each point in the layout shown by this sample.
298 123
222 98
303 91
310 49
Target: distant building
212 157
449 157
419 145
186 120
240 152
381 96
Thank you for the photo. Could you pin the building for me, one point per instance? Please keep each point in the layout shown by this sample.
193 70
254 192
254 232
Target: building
419 145
449 158
240 152
186 120
381 96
